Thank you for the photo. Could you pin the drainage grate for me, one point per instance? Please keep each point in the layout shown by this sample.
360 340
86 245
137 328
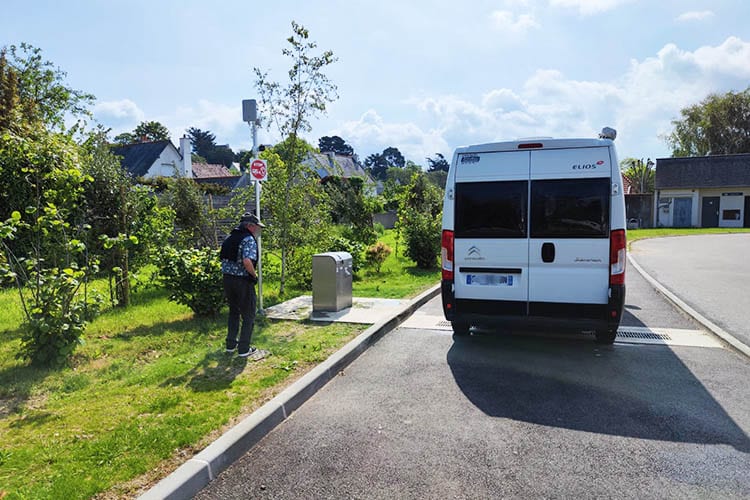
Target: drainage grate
640 334
444 323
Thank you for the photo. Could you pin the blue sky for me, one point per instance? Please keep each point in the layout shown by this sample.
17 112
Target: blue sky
423 76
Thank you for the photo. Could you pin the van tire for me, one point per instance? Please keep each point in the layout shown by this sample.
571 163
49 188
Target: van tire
460 329
605 336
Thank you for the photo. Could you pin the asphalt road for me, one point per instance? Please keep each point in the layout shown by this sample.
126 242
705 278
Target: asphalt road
421 416
711 273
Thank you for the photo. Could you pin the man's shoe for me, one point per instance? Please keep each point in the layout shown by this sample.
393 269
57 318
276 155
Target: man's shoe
231 350
247 353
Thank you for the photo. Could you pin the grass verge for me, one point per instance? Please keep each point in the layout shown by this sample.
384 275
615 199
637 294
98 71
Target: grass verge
150 387
639 234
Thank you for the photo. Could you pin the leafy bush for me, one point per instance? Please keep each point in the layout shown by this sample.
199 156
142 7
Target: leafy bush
419 221
422 236
377 254
193 278
353 247
55 310
57 316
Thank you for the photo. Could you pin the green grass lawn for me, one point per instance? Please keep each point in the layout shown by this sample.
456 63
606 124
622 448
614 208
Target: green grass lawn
638 234
150 387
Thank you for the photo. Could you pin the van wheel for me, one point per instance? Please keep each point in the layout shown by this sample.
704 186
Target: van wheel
605 336
460 329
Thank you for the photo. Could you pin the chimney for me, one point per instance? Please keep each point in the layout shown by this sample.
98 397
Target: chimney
187 160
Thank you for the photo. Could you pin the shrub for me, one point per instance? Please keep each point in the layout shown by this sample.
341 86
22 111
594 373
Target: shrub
422 236
193 278
55 309
351 246
57 316
377 254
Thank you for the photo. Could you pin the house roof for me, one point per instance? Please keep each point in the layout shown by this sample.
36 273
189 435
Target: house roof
717 171
208 170
330 164
137 158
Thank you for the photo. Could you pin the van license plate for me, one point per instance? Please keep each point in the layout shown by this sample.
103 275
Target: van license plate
489 279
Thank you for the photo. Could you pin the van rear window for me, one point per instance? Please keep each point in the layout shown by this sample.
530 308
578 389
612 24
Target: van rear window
570 208
491 209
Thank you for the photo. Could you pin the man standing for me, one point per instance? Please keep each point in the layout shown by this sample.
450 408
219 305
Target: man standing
239 261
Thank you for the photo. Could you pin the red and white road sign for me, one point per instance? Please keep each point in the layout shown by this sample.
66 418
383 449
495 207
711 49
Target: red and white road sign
258 170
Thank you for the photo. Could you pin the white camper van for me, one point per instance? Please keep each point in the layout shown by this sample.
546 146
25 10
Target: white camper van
534 235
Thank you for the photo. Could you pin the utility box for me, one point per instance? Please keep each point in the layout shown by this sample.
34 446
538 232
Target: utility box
332 281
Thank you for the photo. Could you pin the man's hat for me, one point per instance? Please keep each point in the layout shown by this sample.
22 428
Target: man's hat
247 217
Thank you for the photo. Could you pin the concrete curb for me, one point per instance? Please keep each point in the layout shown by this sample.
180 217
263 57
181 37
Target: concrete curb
707 323
192 476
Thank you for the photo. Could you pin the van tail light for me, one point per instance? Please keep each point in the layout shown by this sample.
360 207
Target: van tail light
617 254
446 254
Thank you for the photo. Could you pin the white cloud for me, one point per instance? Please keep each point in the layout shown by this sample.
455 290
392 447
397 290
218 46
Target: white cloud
640 104
371 134
589 7
507 22
119 115
221 119
695 16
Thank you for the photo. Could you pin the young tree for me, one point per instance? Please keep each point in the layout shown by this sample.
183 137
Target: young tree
720 124
291 108
297 208
419 220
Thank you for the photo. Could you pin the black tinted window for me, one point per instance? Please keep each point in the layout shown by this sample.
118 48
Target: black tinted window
570 208
491 209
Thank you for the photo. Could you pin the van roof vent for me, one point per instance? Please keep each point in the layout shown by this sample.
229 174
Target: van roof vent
608 133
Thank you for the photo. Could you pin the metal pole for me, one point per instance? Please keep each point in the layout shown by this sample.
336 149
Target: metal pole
257 212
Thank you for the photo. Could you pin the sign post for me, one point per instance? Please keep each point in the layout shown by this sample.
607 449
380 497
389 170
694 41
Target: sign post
258 172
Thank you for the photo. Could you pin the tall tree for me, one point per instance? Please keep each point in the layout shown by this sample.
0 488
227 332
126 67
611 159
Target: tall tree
640 174
36 89
394 157
151 131
203 141
720 124
439 163
204 145
291 108
378 164
336 145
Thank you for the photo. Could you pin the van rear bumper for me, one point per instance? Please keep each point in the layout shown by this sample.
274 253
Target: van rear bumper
534 314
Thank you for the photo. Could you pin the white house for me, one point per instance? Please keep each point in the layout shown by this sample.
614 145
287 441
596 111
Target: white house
156 159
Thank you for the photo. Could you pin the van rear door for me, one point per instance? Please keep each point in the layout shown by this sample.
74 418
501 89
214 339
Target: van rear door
569 229
491 244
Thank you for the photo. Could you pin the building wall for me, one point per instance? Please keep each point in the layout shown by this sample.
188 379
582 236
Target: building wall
731 206
169 161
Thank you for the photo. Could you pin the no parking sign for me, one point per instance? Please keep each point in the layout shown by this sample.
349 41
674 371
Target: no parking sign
258 170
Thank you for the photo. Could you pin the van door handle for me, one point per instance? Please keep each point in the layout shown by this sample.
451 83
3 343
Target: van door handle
548 252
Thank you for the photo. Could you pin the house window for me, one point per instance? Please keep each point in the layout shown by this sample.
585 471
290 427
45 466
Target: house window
730 215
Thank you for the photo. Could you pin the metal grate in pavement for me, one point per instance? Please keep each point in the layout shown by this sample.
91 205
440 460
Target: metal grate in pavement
625 334
630 333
